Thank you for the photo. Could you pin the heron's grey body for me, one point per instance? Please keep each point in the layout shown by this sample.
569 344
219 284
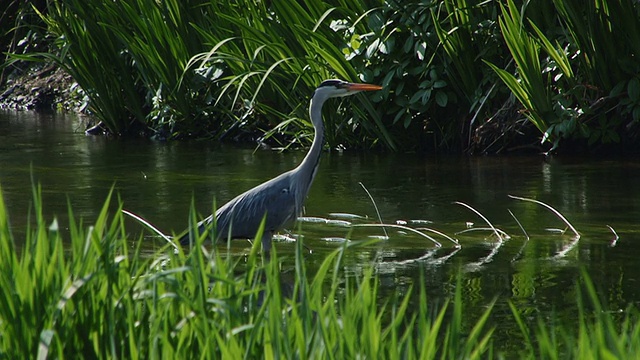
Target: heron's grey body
280 199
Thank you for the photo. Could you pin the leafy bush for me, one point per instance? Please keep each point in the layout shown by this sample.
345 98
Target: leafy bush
245 69
585 86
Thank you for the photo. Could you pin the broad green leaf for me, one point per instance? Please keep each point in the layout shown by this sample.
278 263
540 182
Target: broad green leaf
633 89
442 98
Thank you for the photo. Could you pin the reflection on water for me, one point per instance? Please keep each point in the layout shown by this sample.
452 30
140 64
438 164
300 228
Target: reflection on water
159 180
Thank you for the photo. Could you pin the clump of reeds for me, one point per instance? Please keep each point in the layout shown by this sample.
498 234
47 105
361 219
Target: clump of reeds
87 292
91 294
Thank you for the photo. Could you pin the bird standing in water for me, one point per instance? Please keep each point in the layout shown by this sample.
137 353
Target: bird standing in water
279 200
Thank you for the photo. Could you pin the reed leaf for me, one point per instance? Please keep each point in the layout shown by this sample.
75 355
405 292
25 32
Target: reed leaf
530 88
89 292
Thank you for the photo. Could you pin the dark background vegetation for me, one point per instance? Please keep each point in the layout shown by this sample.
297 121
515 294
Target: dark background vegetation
458 76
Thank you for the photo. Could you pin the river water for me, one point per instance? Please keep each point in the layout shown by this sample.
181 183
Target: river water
540 273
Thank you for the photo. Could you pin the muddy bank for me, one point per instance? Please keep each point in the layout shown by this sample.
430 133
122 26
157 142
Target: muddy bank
40 87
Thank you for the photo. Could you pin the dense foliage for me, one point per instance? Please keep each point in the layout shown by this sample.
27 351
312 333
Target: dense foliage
89 292
458 75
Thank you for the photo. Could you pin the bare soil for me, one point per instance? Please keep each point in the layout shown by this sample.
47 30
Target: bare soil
40 87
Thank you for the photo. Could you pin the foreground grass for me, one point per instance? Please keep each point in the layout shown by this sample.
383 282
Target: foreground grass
97 297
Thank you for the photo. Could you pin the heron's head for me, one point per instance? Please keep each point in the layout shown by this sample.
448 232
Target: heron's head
337 88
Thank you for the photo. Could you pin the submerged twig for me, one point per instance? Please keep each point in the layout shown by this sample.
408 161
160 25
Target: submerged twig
501 235
427 258
556 212
493 253
614 242
347 216
441 260
526 237
375 207
482 217
569 247
501 232
150 227
336 222
455 241
519 224
436 242
429 254
312 219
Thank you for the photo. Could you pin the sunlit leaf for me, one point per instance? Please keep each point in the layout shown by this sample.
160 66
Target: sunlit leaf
421 49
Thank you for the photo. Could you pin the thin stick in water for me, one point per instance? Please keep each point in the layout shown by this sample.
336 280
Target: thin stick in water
150 227
455 241
519 224
526 237
482 217
502 233
375 207
556 212
614 242
436 242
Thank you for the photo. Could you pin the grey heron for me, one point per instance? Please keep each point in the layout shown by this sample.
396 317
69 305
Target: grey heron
279 200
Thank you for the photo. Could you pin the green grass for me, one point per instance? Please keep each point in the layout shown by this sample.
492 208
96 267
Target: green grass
87 292
93 295
530 89
198 68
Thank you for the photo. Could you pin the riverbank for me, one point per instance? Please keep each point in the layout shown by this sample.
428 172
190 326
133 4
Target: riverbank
493 78
40 87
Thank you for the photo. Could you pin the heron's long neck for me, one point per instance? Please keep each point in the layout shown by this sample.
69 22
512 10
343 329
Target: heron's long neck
309 165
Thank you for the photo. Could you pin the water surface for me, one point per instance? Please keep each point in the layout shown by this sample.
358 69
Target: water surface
540 275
